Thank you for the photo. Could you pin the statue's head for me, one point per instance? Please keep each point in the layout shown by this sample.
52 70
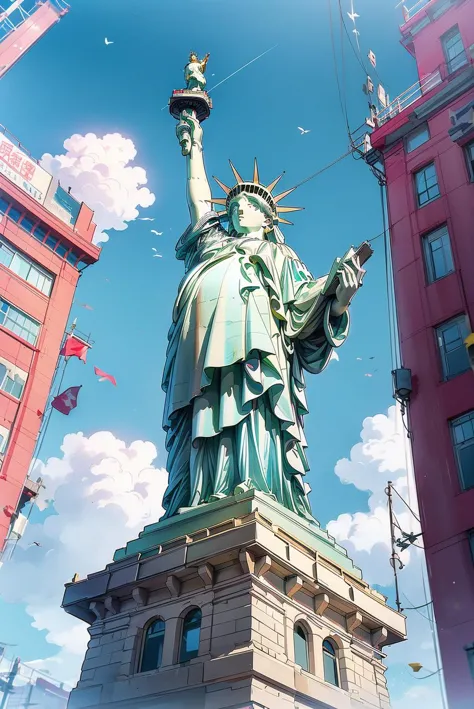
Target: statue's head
251 206
193 57
248 213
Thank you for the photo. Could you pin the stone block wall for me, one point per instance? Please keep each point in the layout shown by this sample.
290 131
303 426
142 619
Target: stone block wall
246 650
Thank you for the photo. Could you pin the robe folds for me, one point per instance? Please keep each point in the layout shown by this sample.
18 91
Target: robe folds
248 320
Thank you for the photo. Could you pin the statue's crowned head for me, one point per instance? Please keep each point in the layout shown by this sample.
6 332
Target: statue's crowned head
259 197
193 57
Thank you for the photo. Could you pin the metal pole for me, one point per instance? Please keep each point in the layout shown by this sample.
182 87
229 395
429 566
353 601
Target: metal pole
9 685
28 703
394 557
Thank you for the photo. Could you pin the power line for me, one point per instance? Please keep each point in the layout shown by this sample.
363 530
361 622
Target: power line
407 505
323 169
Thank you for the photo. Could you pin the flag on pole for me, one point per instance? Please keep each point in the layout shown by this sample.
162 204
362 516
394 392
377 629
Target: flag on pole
371 58
103 376
74 348
67 401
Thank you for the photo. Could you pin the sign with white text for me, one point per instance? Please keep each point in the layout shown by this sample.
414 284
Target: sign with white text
23 171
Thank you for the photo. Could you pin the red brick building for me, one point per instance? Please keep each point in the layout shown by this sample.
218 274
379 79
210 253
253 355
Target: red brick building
425 140
45 242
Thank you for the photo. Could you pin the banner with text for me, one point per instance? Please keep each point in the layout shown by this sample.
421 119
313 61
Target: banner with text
23 171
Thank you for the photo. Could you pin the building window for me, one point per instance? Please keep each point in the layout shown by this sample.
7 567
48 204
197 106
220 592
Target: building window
25 268
453 353
12 379
4 434
191 635
469 153
331 674
300 639
417 138
152 653
427 188
471 543
470 658
462 430
453 48
31 225
18 322
438 256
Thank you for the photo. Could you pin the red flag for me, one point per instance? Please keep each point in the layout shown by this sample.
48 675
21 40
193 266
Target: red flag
74 348
67 401
103 375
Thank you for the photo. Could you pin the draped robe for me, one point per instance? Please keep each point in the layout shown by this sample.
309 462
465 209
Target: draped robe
248 319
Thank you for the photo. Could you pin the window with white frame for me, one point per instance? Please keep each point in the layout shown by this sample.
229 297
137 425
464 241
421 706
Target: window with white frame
4 435
18 322
438 255
469 153
462 430
416 138
12 379
25 268
426 183
450 336
453 48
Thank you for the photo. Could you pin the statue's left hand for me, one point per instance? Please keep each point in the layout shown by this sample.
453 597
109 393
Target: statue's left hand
349 282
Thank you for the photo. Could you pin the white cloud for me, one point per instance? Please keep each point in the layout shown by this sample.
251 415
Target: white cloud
103 492
98 172
382 455
419 696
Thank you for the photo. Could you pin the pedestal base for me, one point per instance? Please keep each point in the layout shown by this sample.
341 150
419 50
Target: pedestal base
197 101
256 572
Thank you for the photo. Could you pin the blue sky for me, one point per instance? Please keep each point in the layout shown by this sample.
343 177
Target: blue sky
70 82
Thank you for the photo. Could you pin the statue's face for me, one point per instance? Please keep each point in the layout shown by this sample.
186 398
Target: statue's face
247 217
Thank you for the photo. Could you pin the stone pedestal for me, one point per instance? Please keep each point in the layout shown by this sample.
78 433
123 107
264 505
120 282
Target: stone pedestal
254 570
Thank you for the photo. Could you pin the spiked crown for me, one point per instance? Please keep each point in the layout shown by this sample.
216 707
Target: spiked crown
255 188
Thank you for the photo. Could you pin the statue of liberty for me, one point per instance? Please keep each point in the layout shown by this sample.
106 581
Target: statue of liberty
248 322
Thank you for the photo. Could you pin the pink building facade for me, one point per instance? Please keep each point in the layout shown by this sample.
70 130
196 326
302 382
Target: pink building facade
425 139
45 242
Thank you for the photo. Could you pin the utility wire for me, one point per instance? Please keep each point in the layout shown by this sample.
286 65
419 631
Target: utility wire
407 505
342 103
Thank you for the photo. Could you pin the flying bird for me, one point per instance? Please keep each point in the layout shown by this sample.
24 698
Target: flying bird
367 375
157 256
303 130
86 306
107 41
372 357
158 233
353 15
359 359
146 219
357 33
36 544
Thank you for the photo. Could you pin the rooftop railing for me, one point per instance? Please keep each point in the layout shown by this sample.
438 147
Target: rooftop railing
408 13
409 96
443 73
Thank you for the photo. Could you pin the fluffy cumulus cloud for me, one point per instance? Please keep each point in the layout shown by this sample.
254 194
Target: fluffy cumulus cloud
99 494
99 173
381 455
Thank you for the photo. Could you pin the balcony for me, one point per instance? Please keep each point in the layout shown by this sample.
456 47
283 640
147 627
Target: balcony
409 96
443 74
409 13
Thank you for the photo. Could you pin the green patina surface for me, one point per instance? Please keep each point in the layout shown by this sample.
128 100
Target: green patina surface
215 513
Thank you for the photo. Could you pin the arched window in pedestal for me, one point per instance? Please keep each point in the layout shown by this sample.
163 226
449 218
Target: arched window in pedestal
152 652
331 673
190 635
300 639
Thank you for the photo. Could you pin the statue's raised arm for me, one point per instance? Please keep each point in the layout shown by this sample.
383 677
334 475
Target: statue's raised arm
198 191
